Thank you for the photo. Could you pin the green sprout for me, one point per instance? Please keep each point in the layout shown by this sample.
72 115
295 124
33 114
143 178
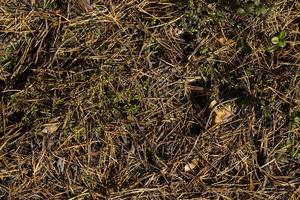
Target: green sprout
259 9
294 118
280 39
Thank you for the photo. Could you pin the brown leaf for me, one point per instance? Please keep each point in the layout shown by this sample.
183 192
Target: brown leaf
51 127
85 5
222 112
191 166
227 42
212 104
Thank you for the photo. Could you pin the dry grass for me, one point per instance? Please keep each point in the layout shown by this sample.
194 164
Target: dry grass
111 100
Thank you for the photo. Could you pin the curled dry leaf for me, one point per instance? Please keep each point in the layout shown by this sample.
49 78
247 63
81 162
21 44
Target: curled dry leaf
60 165
191 166
227 42
222 112
51 127
212 104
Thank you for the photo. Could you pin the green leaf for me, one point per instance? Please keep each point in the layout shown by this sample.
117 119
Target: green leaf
256 2
282 34
297 119
250 9
295 116
261 10
271 49
264 10
281 44
275 40
241 11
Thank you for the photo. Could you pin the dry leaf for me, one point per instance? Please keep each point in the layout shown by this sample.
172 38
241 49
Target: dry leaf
227 42
130 118
222 112
85 5
212 104
51 127
60 165
191 166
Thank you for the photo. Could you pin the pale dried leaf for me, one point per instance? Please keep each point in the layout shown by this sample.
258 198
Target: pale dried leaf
51 127
227 42
223 113
212 104
191 166
60 165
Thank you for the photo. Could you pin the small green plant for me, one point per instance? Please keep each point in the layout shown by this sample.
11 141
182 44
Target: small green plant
294 118
289 148
259 9
280 39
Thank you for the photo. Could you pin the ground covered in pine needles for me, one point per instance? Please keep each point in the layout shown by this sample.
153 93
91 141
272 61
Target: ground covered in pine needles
140 99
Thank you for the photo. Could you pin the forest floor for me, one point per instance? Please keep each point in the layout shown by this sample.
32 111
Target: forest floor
140 99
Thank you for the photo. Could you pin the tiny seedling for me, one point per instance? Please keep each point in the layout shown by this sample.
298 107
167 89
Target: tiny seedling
255 9
294 118
259 9
280 39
